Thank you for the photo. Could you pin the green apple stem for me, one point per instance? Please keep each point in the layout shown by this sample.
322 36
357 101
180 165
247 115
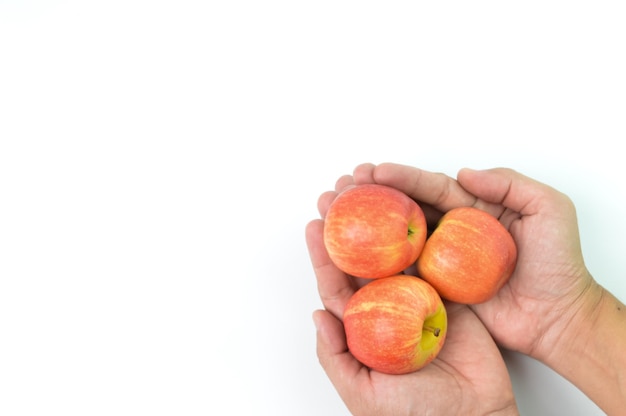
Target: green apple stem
435 331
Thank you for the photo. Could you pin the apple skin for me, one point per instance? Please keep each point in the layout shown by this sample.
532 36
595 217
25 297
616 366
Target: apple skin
374 231
468 257
390 323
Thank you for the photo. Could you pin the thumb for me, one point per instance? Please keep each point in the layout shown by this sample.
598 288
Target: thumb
332 351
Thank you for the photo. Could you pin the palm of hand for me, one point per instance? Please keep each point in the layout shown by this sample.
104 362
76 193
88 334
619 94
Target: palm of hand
468 377
468 373
526 308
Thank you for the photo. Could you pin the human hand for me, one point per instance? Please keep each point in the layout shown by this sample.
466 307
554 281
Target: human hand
550 284
468 377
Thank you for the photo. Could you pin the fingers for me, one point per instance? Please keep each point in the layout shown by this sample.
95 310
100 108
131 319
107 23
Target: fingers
436 189
324 201
328 197
334 286
364 173
332 351
435 192
484 189
343 183
510 189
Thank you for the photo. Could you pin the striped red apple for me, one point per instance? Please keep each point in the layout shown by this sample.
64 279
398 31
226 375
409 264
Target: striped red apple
374 231
395 325
469 256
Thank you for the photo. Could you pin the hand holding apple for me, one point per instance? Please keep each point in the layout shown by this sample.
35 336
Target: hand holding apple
395 325
467 377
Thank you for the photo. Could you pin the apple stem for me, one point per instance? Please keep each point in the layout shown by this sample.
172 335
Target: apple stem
435 331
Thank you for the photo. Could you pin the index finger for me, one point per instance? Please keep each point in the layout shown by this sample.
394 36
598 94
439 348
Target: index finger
435 189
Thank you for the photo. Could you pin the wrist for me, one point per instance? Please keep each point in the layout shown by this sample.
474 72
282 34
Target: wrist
571 326
588 349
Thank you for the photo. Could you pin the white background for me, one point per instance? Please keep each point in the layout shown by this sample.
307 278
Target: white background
159 161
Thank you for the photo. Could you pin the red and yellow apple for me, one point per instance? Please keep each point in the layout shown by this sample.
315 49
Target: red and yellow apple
395 325
468 257
374 231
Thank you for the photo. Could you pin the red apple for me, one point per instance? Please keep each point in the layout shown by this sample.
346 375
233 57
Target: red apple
374 231
395 325
468 257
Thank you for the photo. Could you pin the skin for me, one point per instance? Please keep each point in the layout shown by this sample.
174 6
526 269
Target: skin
551 309
468 377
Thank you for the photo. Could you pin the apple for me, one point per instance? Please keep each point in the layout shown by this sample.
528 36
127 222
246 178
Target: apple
468 257
395 325
374 231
